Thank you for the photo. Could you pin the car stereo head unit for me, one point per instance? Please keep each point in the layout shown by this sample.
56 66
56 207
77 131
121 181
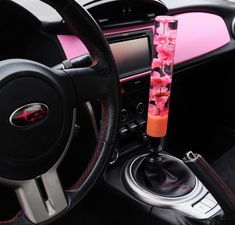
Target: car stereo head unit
132 51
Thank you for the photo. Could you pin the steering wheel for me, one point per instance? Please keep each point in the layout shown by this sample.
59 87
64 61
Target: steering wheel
37 120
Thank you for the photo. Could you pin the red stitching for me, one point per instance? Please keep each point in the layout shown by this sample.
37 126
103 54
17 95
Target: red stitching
97 152
220 182
12 219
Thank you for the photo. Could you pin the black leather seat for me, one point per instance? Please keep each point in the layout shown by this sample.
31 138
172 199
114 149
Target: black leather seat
225 167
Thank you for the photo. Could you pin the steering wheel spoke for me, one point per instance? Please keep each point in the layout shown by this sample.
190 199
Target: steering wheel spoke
42 198
89 84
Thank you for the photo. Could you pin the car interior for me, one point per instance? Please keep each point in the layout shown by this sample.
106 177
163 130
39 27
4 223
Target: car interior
76 85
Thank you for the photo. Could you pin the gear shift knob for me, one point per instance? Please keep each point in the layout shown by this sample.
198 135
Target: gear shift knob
206 174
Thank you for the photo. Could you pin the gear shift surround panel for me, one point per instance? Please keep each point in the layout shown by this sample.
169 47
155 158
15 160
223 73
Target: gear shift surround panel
171 178
194 203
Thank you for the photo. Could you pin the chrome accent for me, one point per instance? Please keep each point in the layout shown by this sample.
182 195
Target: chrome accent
184 203
29 194
32 106
31 200
115 158
233 26
93 119
190 155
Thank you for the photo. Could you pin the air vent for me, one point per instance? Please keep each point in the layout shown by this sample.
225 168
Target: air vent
119 13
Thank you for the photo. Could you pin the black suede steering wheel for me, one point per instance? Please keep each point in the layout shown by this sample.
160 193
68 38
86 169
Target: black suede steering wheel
37 119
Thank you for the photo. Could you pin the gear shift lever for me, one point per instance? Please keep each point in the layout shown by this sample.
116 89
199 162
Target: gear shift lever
221 192
153 163
159 173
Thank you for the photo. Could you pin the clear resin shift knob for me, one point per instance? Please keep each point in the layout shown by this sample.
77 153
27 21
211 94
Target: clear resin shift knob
164 42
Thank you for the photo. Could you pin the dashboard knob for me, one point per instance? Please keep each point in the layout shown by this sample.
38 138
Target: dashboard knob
140 108
124 115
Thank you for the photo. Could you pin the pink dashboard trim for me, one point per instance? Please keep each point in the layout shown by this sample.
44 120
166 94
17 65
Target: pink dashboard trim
72 46
198 33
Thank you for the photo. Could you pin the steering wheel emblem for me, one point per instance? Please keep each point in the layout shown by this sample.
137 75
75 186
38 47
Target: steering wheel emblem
28 115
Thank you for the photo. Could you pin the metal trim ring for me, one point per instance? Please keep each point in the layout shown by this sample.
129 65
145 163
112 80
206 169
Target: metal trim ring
183 203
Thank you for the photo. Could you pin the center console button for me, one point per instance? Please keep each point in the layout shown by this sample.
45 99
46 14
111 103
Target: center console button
210 197
133 126
209 203
141 122
123 131
202 208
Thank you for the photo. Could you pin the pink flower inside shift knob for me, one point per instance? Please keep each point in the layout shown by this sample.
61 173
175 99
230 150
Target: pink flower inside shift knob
164 42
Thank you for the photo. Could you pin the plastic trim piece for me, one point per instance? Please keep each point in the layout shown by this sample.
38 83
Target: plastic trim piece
184 204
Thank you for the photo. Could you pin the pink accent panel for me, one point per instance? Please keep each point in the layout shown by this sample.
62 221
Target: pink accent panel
72 46
198 34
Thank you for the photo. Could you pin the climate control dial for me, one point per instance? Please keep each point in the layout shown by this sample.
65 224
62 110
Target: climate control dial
124 115
140 108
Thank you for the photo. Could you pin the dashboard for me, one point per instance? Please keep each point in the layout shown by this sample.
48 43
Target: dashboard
190 43
204 33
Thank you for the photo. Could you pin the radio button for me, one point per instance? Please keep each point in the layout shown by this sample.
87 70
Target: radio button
200 207
123 131
133 126
141 122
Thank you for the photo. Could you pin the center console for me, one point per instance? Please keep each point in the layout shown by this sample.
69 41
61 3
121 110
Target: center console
190 198
135 92
132 52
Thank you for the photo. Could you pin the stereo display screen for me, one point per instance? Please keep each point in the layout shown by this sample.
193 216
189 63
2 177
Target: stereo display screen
132 56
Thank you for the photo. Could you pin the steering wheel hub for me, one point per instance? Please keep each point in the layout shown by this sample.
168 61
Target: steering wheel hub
34 117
